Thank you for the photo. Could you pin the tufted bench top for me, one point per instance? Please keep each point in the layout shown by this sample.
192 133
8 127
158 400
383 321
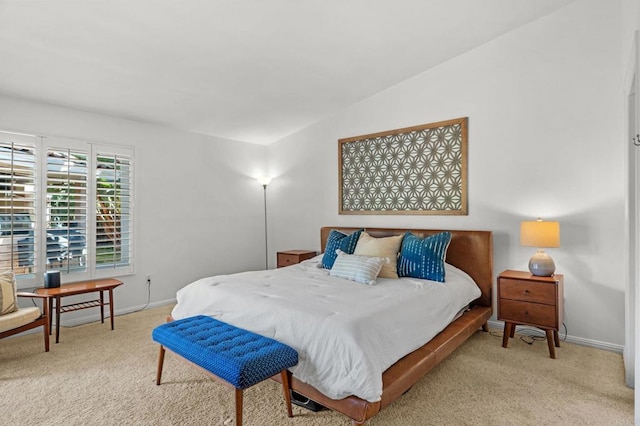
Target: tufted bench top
240 357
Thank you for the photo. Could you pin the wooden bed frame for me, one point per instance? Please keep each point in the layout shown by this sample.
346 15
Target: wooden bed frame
471 251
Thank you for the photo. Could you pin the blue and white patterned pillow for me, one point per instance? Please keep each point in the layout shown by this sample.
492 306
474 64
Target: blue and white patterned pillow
362 269
339 241
424 258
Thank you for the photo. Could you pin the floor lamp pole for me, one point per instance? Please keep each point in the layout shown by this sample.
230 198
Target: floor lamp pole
266 241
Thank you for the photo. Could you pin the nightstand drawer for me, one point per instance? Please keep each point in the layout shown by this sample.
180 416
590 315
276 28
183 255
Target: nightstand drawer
527 291
285 259
535 314
291 257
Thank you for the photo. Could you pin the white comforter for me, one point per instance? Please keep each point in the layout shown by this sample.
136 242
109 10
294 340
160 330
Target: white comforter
346 333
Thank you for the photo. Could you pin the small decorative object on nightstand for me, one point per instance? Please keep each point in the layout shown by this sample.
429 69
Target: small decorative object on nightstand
291 257
527 299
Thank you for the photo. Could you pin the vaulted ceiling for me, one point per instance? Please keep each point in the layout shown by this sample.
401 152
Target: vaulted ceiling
246 70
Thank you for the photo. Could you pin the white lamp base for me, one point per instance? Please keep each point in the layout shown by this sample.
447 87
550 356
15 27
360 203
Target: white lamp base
541 264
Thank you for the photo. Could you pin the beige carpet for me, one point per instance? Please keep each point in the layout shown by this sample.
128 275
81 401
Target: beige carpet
96 376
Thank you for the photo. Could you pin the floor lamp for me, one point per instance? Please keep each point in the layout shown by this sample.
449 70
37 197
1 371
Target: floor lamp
264 181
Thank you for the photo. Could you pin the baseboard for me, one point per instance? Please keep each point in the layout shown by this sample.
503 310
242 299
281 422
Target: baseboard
96 316
571 339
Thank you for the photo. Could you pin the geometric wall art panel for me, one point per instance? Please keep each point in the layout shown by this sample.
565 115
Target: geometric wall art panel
415 170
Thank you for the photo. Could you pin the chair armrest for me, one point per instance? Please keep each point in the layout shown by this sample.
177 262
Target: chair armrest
45 300
27 294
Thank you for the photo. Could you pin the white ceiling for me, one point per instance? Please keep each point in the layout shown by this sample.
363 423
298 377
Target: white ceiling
247 70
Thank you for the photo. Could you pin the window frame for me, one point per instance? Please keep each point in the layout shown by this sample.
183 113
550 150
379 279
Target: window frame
42 145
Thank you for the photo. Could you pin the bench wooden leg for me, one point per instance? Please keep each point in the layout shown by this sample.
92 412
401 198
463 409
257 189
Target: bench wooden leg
287 394
160 364
238 407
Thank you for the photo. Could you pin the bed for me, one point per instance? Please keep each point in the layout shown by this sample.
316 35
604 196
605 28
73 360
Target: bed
374 357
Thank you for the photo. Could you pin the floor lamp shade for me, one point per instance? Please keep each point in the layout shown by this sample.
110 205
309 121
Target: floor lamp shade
264 180
541 235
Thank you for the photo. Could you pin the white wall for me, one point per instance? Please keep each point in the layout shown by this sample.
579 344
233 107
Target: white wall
545 124
630 24
198 208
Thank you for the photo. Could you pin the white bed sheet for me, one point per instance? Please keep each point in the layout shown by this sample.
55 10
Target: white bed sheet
346 333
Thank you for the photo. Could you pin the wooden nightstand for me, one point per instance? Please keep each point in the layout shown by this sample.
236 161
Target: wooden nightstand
291 257
529 300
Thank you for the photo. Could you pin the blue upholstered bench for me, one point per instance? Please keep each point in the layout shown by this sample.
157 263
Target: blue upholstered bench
238 357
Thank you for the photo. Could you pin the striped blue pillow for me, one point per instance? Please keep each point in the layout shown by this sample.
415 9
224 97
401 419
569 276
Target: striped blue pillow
362 269
424 258
339 241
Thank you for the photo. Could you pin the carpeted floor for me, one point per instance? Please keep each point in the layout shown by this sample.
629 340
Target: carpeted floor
96 376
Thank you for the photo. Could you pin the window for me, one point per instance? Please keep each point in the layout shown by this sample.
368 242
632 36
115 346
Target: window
113 213
65 205
17 206
66 210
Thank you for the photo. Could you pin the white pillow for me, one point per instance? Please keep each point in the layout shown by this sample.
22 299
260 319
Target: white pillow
362 269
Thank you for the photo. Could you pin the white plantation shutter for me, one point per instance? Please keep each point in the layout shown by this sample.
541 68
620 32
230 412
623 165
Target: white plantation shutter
66 210
114 179
18 213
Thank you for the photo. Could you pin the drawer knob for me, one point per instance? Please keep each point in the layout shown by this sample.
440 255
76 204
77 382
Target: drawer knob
526 312
526 291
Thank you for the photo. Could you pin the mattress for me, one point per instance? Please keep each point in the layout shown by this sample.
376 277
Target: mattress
346 333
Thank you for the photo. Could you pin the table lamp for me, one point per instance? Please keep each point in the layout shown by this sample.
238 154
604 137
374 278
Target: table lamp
542 235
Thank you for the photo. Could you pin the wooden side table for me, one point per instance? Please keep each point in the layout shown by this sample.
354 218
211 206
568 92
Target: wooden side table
291 257
74 289
530 300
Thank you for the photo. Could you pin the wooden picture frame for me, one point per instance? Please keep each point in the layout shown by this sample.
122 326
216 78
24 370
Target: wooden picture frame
419 170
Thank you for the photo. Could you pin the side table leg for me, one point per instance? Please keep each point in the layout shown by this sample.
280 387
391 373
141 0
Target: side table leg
111 306
57 319
102 307
51 315
556 338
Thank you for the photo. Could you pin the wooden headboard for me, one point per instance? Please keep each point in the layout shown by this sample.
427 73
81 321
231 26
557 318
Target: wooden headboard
471 251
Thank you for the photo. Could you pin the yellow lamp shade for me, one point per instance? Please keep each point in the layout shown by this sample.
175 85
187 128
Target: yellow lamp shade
540 234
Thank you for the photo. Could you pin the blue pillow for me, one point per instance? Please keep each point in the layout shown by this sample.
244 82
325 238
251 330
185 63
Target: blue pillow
424 258
339 241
